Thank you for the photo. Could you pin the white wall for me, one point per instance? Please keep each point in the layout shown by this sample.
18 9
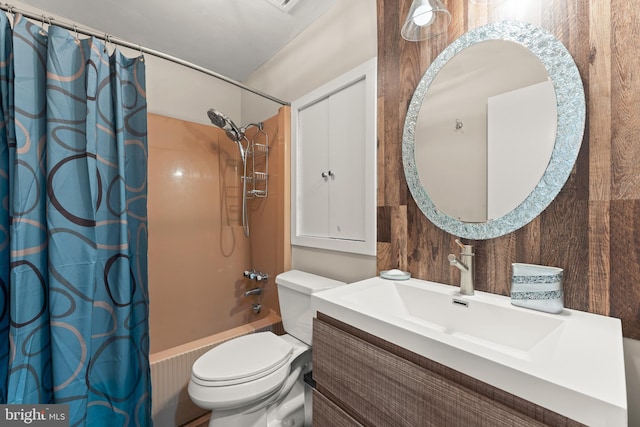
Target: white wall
183 93
343 38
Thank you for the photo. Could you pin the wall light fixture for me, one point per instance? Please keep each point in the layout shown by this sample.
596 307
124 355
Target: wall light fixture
426 19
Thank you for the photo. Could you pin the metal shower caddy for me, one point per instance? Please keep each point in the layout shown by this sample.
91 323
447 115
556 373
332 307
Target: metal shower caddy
257 172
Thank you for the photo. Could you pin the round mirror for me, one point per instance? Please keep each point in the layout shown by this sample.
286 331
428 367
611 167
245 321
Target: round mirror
493 130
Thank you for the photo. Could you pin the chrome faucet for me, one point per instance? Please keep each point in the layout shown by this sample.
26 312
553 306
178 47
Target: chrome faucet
465 265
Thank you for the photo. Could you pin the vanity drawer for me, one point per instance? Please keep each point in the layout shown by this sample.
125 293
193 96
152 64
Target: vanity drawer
328 414
380 388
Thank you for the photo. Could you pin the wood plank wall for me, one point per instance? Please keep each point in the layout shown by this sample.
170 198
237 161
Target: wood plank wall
592 229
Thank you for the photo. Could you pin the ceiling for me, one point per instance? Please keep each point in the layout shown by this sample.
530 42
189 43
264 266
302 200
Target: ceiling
230 37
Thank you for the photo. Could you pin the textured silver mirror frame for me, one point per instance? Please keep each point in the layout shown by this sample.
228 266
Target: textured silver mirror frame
567 83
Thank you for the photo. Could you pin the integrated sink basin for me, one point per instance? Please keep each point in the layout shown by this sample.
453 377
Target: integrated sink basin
571 363
475 319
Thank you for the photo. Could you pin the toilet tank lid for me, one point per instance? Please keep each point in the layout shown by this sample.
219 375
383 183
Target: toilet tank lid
306 282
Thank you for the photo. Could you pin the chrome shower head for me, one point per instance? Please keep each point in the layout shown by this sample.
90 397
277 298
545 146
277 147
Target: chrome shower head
234 133
218 119
225 123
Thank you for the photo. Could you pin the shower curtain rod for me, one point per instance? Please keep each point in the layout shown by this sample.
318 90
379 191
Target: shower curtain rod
111 39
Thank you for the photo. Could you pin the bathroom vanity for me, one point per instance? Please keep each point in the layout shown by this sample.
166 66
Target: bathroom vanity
417 353
365 380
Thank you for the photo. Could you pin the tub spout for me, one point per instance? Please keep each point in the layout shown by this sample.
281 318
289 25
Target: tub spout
254 291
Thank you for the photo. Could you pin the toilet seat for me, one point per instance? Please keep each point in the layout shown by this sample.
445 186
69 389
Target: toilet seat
240 371
241 360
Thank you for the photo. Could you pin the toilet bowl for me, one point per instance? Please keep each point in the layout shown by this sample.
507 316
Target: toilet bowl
257 380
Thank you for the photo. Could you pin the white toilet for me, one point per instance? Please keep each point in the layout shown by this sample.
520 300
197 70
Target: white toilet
257 380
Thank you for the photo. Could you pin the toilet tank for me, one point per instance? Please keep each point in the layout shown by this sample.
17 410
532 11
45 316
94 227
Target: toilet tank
294 294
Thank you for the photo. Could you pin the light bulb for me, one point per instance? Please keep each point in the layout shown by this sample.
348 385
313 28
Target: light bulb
423 15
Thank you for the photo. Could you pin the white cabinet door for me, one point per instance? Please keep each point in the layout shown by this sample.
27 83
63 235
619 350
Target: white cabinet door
347 162
313 156
333 164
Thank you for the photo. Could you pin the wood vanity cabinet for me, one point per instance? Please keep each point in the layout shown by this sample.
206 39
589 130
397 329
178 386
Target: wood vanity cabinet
362 380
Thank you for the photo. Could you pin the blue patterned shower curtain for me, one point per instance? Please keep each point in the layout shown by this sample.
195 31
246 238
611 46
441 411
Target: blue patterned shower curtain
73 226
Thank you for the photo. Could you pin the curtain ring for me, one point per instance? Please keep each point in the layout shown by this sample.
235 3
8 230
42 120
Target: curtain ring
75 31
141 53
42 31
12 11
109 38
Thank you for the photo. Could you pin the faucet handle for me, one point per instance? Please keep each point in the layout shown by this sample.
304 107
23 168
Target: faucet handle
466 250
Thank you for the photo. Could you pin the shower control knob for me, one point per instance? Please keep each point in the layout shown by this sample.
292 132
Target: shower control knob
259 277
246 273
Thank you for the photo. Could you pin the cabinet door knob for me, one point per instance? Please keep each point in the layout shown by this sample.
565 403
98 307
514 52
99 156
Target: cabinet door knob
324 174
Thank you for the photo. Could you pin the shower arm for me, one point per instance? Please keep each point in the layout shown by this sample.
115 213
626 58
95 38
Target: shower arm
244 128
258 125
